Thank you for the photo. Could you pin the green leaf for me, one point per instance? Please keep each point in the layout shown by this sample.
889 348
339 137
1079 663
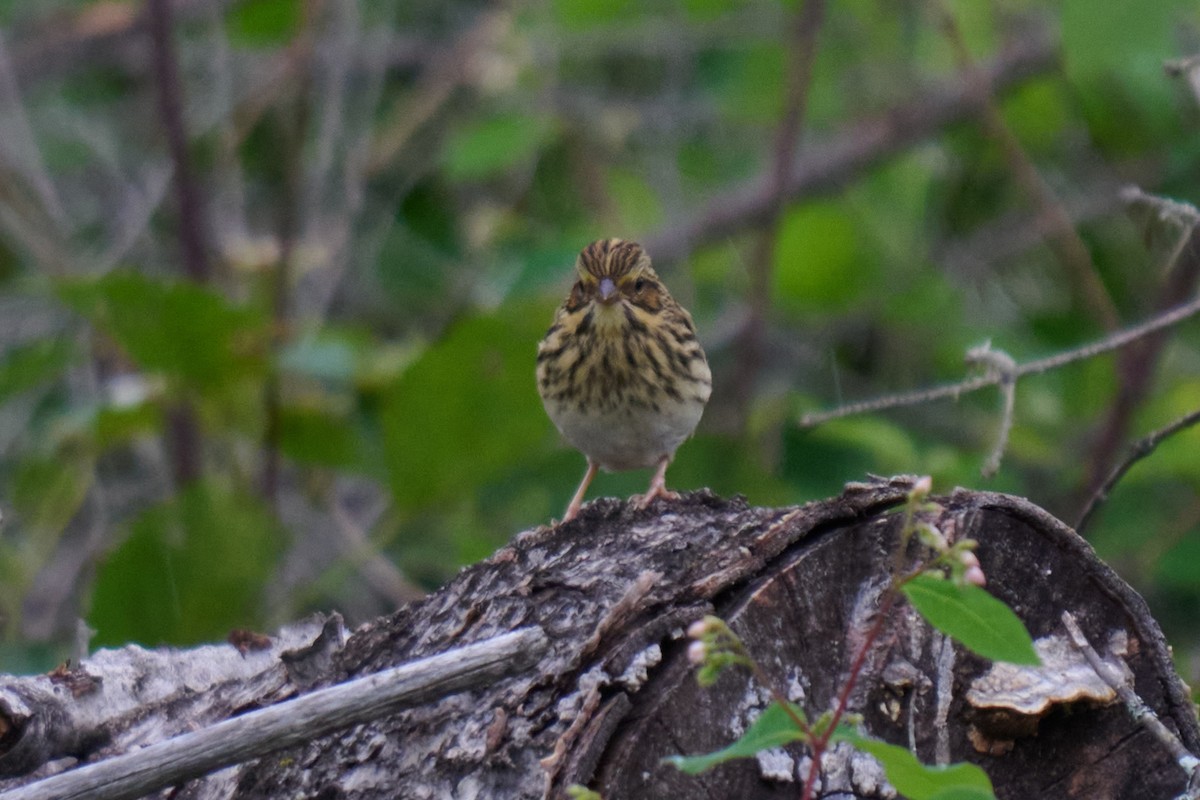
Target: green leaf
174 327
580 15
493 145
263 23
746 82
190 569
113 425
705 10
25 366
917 781
47 493
1179 567
638 206
773 728
1099 43
467 410
820 261
973 617
964 793
577 792
321 436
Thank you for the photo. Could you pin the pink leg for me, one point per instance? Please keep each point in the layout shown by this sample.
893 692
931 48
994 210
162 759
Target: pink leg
577 500
658 485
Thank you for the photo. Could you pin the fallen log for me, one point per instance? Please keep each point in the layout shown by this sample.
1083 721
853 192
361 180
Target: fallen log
608 692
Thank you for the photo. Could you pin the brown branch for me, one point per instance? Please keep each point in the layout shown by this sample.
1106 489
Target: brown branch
827 166
799 78
1137 365
169 91
184 441
1062 238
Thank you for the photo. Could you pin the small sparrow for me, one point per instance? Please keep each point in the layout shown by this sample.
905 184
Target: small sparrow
620 371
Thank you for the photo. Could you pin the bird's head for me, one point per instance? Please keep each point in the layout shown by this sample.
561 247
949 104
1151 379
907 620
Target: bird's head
613 274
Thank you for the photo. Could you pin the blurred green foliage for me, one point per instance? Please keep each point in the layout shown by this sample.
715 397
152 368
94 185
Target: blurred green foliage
393 196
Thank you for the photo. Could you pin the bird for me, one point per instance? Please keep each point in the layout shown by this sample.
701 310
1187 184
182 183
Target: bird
620 371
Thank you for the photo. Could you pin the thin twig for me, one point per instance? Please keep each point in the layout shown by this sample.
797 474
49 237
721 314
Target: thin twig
269 730
956 390
1142 713
819 745
1140 449
890 595
22 143
1062 237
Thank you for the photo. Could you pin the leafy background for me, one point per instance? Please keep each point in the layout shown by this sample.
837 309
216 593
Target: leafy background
308 384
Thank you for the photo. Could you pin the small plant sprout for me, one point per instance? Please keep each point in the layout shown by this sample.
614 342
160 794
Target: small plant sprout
714 648
944 585
972 573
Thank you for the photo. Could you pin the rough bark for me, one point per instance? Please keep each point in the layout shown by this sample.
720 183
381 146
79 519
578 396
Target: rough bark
613 693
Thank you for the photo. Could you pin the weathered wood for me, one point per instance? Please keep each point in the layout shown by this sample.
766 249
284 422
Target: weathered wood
127 697
613 694
803 618
269 730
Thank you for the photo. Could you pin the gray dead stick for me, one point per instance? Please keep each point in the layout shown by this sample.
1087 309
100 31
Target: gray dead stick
280 726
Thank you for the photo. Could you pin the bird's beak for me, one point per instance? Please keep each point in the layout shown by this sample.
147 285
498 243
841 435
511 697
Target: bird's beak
608 291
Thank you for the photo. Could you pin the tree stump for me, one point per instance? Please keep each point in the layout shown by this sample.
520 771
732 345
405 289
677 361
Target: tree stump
613 695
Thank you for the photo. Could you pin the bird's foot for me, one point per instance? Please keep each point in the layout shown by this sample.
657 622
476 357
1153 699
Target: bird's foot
642 501
657 489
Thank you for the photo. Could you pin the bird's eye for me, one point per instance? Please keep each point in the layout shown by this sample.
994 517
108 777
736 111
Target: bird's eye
639 284
576 299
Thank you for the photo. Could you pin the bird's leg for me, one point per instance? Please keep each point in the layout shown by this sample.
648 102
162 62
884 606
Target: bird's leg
658 485
577 501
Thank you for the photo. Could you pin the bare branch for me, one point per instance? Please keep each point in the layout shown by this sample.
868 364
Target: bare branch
1140 449
1114 342
183 431
1141 712
192 229
379 573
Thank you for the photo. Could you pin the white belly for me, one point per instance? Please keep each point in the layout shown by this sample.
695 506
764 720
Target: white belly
626 437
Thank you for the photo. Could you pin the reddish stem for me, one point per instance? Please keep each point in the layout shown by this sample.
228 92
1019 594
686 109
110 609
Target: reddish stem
818 745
